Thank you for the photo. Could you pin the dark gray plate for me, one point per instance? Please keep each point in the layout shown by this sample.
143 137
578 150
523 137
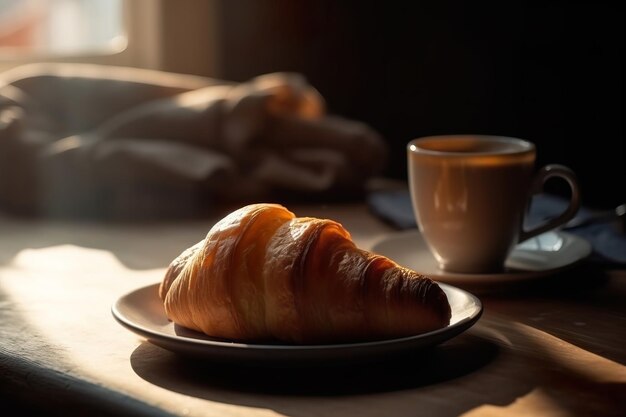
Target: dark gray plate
141 311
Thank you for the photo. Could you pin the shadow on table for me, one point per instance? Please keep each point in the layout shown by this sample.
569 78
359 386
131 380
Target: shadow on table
498 365
226 382
579 305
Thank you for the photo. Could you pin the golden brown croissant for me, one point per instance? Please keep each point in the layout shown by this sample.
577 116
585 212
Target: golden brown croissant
263 274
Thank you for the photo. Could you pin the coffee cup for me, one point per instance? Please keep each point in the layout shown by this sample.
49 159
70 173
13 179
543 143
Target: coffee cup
470 194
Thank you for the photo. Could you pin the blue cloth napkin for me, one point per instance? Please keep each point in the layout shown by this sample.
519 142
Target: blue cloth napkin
609 245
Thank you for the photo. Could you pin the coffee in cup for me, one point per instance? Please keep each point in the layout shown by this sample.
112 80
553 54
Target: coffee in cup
470 194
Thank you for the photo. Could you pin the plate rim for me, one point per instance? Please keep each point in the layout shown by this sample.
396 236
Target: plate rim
457 278
456 328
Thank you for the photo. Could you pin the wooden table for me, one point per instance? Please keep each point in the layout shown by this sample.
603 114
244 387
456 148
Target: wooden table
557 349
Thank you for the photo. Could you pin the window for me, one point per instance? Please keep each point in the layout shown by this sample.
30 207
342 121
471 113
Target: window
177 36
51 28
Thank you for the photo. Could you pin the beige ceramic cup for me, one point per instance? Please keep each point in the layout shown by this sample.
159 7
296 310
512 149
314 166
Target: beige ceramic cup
470 194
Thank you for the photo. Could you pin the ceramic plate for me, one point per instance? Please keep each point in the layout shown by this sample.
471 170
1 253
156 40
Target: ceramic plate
535 258
141 311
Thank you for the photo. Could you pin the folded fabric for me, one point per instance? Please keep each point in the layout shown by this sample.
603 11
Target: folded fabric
609 245
85 138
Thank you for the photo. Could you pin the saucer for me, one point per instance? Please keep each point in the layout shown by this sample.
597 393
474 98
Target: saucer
534 258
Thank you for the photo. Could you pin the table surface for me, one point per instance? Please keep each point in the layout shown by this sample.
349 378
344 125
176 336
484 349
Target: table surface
556 348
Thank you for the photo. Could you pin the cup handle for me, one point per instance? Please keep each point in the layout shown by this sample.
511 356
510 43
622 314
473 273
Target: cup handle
543 175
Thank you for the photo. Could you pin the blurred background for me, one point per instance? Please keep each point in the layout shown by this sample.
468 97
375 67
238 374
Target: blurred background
551 72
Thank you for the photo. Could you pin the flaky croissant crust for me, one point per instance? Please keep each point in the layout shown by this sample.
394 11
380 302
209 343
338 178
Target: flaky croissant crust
264 274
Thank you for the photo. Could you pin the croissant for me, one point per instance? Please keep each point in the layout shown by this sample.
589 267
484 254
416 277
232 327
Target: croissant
263 274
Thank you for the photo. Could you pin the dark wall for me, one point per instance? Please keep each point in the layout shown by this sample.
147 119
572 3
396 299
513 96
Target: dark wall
551 72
